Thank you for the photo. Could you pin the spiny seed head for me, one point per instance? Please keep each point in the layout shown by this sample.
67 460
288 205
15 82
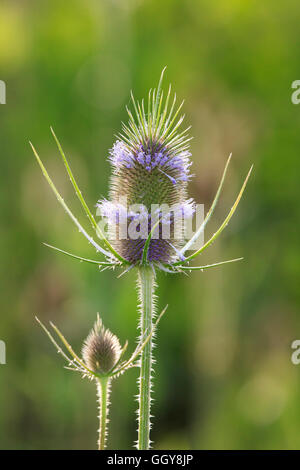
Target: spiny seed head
151 168
101 350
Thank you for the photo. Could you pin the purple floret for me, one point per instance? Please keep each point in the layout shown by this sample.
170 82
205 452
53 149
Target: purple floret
174 165
161 250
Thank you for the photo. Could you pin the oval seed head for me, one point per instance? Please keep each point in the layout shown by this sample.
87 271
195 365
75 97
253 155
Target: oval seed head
151 163
101 350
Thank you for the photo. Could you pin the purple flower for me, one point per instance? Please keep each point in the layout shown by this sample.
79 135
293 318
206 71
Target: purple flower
151 168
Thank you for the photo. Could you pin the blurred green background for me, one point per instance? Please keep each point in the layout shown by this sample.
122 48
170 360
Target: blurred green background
224 377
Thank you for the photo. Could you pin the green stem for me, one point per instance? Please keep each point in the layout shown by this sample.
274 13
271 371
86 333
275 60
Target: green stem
103 388
146 286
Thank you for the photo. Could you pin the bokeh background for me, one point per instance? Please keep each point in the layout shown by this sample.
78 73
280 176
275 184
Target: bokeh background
224 377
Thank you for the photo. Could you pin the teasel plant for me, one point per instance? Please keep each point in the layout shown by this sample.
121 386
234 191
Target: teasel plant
101 361
151 163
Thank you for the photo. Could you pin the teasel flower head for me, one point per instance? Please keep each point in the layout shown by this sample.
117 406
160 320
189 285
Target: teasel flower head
148 205
101 350
151 168
102 353
102 361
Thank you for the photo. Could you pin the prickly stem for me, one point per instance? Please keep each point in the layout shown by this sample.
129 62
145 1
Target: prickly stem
146 287
103 389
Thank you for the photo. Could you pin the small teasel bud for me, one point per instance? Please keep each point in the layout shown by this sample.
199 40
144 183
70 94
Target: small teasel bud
102 356
101 350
